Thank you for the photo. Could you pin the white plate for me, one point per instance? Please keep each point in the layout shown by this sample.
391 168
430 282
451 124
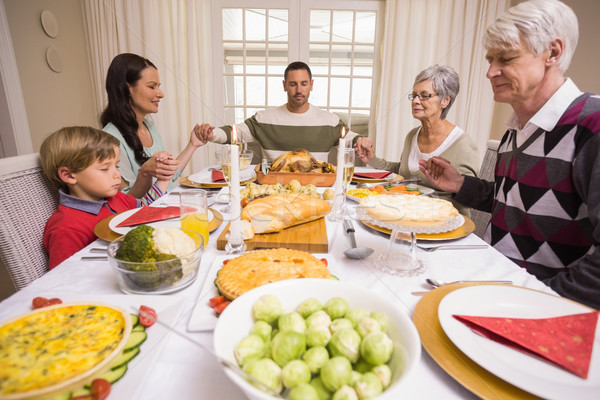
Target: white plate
205 176
425 191
528 373
203 317
174 222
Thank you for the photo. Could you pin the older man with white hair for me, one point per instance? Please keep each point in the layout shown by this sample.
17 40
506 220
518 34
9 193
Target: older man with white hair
545 200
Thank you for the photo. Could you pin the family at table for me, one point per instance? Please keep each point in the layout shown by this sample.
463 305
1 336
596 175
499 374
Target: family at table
544 201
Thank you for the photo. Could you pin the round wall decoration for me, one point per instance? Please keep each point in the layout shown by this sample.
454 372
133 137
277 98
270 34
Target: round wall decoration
49 23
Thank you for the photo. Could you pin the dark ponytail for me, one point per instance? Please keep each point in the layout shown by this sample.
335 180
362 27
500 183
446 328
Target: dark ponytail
125 69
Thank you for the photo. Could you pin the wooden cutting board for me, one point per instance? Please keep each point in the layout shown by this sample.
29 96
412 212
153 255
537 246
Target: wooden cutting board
310 237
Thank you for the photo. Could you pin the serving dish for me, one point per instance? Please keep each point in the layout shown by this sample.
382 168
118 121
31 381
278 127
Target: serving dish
320 179
425 191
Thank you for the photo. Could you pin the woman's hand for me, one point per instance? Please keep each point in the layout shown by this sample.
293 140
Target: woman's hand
364 149
442 174
162 165
201 134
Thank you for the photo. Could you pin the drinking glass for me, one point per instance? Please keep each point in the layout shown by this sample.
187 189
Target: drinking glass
193 207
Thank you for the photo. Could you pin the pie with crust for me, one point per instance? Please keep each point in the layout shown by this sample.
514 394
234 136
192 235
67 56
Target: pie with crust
55 349
256 268
408 211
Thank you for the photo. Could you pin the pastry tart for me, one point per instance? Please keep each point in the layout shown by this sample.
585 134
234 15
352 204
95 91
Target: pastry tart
56 349
260 267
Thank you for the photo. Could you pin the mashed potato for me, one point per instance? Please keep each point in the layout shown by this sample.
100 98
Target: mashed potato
173 241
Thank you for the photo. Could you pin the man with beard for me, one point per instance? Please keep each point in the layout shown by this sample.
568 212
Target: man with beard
294 125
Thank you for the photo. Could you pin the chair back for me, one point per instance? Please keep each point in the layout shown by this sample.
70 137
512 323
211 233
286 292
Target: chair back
27 199
486 172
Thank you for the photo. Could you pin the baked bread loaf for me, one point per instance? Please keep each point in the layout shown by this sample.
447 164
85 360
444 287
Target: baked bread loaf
408 210
279 211
260 267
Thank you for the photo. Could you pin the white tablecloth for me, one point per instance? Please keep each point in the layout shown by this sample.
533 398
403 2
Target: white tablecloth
184 371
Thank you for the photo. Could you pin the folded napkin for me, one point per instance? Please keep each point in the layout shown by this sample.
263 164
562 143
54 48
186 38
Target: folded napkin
150 214
566 341
371 175
217 176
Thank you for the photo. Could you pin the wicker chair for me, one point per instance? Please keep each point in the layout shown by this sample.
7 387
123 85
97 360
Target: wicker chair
486 172
27 199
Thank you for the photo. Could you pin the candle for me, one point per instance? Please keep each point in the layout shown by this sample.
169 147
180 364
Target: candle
339 176
235 230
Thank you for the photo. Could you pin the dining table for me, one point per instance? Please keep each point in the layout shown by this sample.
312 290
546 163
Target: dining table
179 366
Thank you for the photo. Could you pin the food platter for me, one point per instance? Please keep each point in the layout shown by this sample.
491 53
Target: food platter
104 231
425 191
319 179
468 373
465 229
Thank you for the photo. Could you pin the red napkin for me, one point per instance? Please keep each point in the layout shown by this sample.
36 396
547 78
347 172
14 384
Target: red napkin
150 214
217 176
371 175
566 341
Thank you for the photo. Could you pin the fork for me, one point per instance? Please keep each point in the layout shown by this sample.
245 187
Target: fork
453 247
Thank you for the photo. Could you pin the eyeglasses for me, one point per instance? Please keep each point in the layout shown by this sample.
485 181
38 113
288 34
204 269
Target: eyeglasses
422 96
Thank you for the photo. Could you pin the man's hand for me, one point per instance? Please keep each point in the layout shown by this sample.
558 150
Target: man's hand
203 133
442 174
364 149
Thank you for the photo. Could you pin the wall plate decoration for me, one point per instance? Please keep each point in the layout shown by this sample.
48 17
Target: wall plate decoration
49 23
54 59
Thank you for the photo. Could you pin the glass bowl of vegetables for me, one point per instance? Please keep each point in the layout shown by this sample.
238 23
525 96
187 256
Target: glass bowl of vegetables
313 338
150 260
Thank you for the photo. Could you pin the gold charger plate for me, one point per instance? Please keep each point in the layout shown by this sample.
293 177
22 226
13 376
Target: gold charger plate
185 181
390 177
467 372
103 231
460 232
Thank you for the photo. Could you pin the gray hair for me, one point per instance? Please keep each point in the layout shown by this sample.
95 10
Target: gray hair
445 83
535 24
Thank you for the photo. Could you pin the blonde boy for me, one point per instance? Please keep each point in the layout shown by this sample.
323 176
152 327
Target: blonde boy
83 162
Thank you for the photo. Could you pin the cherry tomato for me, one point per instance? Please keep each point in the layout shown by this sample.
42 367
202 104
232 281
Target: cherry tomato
324 260
226 261
100 389
215 301
147 316
244 202
219 309
39 302
54 301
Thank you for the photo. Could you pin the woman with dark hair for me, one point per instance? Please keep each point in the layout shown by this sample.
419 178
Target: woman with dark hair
133 88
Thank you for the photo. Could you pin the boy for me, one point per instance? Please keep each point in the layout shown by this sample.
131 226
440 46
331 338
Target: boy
83 161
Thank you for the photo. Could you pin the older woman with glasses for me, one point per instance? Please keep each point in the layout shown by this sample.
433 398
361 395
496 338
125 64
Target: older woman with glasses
434 91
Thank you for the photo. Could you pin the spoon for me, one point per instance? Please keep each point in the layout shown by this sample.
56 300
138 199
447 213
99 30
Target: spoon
436 284
355 252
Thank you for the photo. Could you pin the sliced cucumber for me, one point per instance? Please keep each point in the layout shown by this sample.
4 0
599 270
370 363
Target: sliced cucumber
135 340
334 277
138 328
135 320
126 357
81 392
112 375
62 396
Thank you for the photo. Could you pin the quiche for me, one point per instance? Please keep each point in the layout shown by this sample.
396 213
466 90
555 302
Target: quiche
54 349
260 267
409 211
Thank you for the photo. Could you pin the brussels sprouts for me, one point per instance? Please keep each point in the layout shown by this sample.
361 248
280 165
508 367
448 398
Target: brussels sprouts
309 306
336 307
368 386
318 335
287 346
250 347
384 323
366 326
354 378
294 373
340 323
336 373
262 329
304 391
267 308
376 348
384 373
345 393
362 366
322 391
267 372
291 322
355 315
318 318
315 357
345 343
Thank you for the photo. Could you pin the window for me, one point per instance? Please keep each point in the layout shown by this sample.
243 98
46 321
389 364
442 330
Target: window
260 38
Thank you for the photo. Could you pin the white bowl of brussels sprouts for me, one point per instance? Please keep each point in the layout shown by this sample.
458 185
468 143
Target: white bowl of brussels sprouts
318 339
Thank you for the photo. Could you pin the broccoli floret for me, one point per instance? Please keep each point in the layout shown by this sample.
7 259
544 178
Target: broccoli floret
170 271
138 245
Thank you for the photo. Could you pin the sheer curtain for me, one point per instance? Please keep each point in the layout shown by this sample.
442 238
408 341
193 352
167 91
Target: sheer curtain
176 36
422 33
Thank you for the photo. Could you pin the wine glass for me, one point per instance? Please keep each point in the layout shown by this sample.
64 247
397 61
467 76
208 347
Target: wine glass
347 165
245 158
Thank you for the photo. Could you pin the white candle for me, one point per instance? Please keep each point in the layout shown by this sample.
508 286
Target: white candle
236 226
339 173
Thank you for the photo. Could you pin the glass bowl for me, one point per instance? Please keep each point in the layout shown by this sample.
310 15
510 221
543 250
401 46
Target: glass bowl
160 277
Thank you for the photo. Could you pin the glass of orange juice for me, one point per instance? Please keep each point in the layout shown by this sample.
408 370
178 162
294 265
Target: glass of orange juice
194 212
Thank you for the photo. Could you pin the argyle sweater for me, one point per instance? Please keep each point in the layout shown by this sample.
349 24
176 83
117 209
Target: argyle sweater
545 202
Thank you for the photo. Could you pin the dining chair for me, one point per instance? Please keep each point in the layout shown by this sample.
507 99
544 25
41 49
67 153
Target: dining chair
482 218
27 199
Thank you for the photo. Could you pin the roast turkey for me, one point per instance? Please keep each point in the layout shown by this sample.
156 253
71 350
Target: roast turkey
299 161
